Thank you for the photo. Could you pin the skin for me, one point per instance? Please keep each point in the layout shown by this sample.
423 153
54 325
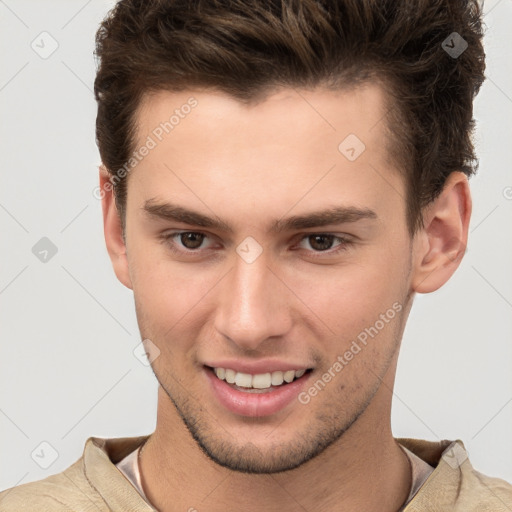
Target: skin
250 165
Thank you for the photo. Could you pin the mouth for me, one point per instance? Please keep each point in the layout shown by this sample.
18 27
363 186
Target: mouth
256 395
260 382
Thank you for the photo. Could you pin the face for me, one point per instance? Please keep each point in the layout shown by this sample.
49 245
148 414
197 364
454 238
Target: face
265 243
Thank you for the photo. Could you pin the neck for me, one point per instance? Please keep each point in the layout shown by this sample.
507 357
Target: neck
365 469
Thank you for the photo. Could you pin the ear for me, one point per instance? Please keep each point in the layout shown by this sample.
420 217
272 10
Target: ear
116 246
441 244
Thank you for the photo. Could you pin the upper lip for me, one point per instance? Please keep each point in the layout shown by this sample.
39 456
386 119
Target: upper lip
257 367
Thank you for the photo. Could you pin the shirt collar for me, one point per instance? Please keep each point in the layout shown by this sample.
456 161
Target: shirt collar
101 455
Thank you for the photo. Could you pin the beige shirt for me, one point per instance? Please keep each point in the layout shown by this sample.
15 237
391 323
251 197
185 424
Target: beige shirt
95 483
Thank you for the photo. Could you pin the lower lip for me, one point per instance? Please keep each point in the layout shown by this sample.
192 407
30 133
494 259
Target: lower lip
255 404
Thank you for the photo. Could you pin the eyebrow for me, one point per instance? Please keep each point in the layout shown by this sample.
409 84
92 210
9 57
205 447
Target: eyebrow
334 215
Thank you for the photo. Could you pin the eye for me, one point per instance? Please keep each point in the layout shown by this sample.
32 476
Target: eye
323 242
185 241
192 243
191 240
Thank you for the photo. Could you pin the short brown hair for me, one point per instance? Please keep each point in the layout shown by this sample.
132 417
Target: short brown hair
247 47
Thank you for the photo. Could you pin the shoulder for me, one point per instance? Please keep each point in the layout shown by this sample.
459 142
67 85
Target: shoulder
455 485
474 490
481 493
93 483
65 491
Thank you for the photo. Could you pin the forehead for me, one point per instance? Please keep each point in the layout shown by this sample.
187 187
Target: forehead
308 145
284 115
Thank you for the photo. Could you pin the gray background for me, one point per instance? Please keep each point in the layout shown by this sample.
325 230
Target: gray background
68 328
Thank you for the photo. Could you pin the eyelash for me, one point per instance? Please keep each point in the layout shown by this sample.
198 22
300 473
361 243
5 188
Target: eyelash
344 244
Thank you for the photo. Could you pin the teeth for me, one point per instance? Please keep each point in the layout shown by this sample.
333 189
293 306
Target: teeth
258 381
261 381
230 376
244 380
277 378
289 375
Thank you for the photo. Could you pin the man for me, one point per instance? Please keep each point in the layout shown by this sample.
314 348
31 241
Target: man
279 180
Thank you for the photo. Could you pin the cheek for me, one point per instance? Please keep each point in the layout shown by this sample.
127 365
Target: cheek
349 298
170 296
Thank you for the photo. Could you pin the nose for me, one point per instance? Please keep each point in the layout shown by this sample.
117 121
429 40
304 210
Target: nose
253 305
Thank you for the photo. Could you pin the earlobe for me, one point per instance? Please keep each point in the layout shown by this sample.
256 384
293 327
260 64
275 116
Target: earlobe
441 244
113 230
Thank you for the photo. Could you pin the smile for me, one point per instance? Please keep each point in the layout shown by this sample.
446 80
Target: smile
258 381
256 394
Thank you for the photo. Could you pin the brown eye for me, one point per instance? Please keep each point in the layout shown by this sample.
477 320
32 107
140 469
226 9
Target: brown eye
191 244
321 242
191 240
324 245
